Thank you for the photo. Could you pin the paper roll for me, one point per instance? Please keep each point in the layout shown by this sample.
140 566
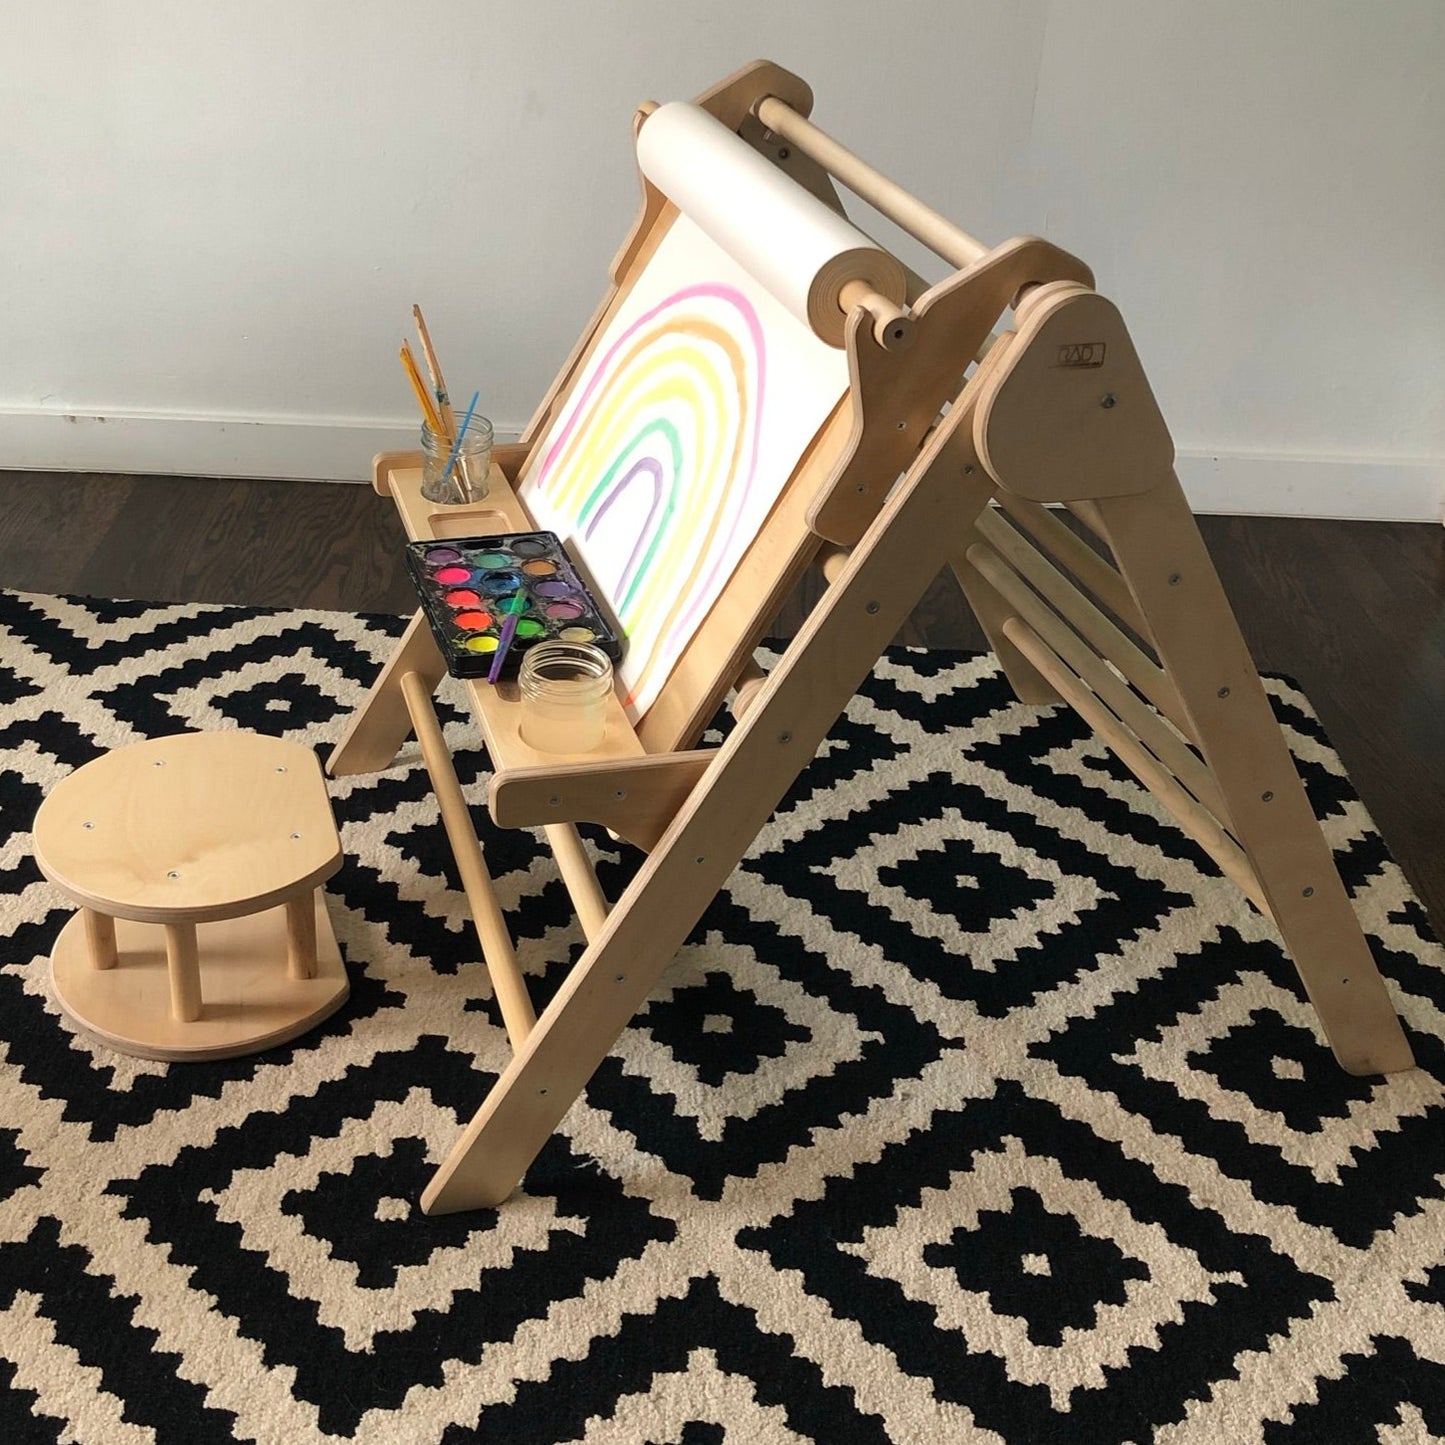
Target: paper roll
798 248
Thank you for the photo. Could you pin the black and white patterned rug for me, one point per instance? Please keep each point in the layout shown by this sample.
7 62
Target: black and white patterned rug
977 1108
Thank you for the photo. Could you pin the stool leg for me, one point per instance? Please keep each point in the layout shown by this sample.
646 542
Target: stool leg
185 971
301 936
100 938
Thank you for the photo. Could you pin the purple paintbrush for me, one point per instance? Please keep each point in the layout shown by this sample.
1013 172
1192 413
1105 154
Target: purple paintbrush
504 642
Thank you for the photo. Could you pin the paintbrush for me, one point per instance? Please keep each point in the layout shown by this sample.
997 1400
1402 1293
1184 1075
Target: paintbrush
428 407
463 489
504 643
433 366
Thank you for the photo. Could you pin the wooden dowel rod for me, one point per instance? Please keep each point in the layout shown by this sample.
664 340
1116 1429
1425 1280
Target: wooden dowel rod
183 965
1102 579
1086 619
100 938
747 687
892 326
301 936
922 222
1192 817
1155 732
511 989
580 877
833 559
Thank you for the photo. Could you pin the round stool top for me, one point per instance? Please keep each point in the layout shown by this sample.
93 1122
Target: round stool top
188 828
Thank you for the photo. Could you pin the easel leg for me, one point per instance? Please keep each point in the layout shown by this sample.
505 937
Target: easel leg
381 724
833 652
1158 549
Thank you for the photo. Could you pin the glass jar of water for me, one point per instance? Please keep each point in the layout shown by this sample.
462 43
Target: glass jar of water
564 687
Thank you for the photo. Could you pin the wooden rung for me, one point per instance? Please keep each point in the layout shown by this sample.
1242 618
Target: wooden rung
580 877
511 989
833 559
1086 619
745 690
1155 731
1068 547
1196 820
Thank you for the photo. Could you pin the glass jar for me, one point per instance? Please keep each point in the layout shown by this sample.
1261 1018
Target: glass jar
564 687
467 481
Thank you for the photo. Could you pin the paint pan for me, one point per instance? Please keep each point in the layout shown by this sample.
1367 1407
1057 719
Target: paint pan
469 585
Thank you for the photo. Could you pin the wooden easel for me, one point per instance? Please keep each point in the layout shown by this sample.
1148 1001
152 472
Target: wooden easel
1145 648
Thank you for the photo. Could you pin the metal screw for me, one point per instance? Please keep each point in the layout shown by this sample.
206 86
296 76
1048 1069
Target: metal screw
296 835
902 426
1266 797
1175 579
1308 893
280 770
1110 400
554 802
785 737
783 153
1223 692
871 608
159 763
620 793
968 470
621 978
173 874
87 825
699 860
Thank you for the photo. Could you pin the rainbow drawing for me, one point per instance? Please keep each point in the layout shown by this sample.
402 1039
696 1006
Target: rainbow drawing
674 444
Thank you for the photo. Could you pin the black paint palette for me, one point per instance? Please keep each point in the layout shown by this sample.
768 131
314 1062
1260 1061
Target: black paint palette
469 586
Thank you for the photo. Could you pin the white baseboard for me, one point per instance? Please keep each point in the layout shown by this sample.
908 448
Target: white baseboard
1372 489
1366 489
283 448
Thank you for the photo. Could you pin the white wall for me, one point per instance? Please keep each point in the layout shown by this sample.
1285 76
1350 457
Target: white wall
214 218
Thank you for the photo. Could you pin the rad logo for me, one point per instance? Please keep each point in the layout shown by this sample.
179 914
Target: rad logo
1081 353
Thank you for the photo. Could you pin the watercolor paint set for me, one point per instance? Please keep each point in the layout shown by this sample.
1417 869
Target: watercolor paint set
471 586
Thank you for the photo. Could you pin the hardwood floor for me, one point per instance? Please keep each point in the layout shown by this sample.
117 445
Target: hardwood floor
1355 611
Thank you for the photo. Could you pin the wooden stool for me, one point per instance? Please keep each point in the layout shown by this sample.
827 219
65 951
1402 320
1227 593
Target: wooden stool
229 830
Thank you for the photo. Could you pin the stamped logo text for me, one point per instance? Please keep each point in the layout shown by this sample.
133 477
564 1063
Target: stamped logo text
1081 353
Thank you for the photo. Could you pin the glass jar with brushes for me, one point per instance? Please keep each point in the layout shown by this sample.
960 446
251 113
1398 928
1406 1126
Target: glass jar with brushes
455 471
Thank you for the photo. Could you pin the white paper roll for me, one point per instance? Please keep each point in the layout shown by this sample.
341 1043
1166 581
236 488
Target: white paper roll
797 247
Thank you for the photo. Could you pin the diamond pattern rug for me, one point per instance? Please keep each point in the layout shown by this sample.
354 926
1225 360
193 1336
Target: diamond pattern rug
977 1108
